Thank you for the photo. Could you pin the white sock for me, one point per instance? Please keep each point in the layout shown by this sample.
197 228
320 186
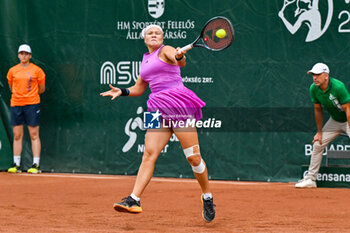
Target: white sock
135 197
207 196
17 159
36 160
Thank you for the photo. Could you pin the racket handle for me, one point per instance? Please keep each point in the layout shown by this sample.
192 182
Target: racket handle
186 48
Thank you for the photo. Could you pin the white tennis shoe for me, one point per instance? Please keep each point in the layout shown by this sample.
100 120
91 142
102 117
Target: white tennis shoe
306 183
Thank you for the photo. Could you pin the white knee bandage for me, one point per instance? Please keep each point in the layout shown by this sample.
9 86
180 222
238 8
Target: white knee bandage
200 168
193 150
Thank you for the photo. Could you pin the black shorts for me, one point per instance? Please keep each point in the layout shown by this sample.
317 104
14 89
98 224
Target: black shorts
28 114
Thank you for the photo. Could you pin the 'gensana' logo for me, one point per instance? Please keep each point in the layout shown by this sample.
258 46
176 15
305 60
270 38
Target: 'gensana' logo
332 177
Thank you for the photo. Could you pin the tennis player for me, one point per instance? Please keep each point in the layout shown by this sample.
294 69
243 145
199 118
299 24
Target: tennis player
335 98
160 70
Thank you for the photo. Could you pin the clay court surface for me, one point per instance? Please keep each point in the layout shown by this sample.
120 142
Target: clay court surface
83 203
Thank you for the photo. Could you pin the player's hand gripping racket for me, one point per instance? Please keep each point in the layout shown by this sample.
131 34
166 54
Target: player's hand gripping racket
217 34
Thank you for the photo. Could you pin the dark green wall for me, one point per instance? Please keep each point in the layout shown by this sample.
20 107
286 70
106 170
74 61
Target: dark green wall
259 86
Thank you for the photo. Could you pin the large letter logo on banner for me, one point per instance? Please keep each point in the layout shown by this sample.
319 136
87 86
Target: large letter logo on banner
122 74
307 11
107 73
156 8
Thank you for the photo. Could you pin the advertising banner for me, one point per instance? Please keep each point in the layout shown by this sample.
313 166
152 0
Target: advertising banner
258 121
331 177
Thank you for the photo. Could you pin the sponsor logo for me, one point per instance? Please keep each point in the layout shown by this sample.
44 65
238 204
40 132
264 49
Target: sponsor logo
123 74
309 148
156 8
197 79
331 177
129 129
172 29
133 128
107 73
127 72
306 12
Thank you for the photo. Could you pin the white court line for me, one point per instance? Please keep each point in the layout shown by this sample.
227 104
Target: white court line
157 179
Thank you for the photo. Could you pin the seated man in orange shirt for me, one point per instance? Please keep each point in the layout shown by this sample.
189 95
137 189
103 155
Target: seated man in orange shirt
27 82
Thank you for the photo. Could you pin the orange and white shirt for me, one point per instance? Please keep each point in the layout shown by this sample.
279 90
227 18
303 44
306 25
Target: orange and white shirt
25 83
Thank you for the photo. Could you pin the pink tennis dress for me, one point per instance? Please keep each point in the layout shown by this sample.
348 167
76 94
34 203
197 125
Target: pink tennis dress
173 100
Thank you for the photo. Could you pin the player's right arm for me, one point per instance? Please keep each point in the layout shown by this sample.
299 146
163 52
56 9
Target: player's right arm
319 123
139 88
171 56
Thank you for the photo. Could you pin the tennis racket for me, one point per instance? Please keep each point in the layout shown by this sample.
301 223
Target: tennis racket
208 38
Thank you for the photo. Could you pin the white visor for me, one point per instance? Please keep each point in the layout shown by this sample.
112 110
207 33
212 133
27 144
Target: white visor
143 33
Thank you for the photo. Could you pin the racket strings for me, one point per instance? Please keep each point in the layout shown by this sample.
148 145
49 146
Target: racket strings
210 38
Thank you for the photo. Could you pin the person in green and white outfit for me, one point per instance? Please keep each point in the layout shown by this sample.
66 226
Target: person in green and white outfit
331 94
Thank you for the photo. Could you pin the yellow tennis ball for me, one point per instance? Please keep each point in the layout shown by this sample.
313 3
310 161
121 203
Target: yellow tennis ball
221 33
